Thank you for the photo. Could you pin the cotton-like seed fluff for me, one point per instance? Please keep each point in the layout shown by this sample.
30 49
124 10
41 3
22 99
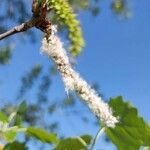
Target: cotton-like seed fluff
72 80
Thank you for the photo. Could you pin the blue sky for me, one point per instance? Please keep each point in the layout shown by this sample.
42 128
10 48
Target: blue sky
116 56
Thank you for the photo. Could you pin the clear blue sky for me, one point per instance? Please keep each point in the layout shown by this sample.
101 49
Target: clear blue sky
116 56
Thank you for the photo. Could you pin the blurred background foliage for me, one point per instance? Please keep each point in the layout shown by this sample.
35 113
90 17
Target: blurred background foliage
15 12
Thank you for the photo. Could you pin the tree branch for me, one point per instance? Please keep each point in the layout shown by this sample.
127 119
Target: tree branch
39 21
20 28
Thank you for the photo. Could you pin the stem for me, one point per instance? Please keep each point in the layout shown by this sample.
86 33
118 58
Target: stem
20 28
99 133
39 22
82 141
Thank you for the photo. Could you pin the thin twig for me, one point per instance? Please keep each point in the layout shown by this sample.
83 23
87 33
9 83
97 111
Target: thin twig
39 21
99 133
20 28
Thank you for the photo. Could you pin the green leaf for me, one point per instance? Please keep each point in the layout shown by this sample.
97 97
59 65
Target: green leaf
10 135
132 131
22 107
15 146
42 135
19 114
5 55
74 143
86 138
3 117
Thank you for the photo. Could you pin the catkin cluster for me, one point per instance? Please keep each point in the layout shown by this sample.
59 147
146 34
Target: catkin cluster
74 82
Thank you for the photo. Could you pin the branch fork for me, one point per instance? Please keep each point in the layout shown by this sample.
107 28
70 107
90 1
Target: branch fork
39 20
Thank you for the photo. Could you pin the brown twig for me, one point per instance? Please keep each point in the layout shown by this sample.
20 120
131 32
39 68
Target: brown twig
39 21
20 28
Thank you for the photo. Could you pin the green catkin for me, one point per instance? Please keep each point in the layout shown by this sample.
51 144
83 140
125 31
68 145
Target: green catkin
67 17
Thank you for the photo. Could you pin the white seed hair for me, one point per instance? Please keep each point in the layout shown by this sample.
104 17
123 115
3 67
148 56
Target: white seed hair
74 82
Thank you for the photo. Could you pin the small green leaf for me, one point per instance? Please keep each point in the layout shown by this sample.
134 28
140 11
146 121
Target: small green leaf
15 146
10 135
42 135
87 139
74 143
5 55
20 111
22 107
132 131
3 117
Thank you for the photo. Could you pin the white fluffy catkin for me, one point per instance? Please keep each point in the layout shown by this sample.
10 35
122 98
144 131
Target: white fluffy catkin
72 80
